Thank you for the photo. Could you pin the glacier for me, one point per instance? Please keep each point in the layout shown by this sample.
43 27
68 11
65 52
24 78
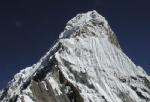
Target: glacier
86 64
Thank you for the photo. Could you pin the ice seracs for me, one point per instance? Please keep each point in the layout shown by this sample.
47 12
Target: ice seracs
85 65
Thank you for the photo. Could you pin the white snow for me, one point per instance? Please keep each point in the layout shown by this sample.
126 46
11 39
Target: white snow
24 98
91 62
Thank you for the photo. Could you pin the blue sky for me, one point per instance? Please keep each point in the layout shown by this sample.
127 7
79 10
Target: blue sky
28 29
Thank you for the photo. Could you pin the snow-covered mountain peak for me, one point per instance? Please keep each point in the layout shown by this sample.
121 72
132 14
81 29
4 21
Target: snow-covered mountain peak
86 64
90 24
84 18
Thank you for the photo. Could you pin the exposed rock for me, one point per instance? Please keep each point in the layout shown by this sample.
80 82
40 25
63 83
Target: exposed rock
86 64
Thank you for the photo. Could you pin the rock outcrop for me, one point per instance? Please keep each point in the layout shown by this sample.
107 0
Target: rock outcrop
86 64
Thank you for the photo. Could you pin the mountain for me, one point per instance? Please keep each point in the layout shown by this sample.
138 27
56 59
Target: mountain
86 64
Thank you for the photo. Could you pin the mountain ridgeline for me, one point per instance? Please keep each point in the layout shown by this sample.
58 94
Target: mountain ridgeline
86 64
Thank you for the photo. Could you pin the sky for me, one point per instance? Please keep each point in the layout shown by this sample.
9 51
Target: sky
28 29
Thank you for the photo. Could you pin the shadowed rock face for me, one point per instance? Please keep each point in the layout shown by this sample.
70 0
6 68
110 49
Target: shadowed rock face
43 91
113 39
85 65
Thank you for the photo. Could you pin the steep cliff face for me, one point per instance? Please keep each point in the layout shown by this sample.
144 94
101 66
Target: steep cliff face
85 65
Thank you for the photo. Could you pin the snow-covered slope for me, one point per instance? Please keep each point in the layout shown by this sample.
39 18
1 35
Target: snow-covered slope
85 65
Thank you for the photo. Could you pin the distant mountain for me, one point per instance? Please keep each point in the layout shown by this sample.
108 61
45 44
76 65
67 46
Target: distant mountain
86 64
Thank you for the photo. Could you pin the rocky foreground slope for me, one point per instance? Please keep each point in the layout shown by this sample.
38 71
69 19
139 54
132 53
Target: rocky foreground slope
86 64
